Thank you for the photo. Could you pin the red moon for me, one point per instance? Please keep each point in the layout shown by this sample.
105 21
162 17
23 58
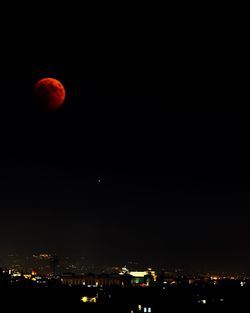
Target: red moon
49 94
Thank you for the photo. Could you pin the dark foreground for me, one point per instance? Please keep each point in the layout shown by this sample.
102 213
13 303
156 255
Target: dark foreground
132 299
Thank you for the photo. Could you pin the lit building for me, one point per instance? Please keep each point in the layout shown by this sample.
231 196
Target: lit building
92 280
143 278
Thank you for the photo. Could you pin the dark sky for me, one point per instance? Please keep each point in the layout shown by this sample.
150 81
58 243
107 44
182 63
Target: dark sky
156 108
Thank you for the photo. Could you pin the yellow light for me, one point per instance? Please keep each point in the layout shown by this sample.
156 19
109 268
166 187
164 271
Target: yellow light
139 307
84 299
27 276
93 300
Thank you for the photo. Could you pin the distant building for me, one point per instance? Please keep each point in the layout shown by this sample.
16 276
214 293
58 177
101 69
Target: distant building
142 278
92 280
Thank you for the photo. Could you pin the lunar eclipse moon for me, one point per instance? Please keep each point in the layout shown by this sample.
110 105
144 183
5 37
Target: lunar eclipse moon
49 94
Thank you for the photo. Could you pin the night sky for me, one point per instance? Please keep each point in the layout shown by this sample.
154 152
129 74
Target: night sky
148 159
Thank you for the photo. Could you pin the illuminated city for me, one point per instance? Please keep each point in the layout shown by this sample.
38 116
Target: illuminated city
95 289
124 157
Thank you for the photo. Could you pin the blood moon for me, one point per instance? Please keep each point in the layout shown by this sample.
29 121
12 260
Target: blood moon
49 94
